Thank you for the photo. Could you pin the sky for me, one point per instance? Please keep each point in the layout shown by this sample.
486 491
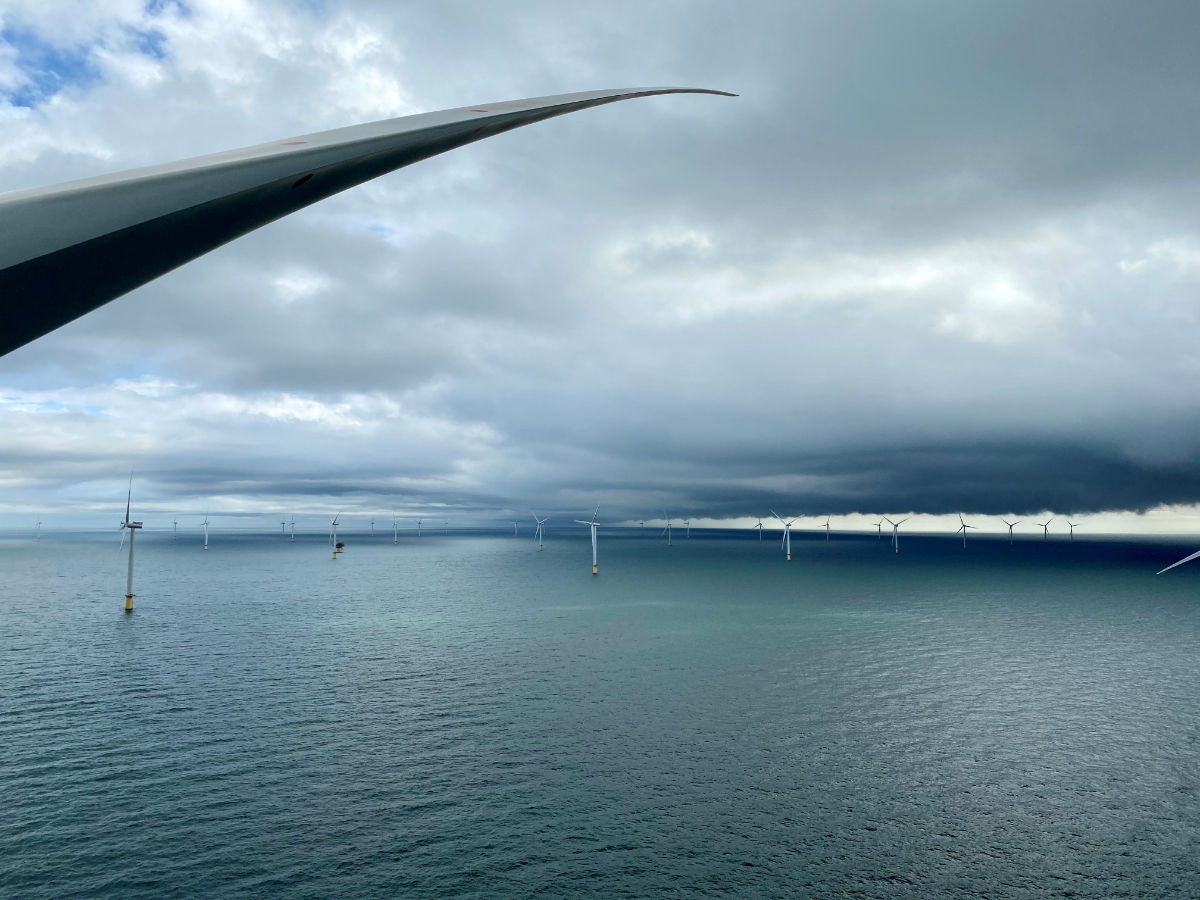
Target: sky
935 258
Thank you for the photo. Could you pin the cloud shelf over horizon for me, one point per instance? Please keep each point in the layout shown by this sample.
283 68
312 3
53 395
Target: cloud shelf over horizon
941 261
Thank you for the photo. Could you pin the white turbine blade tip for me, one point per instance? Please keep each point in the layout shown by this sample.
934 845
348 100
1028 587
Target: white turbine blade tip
1180 563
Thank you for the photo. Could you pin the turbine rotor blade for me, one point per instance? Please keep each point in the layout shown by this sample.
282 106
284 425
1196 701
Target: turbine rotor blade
1180 563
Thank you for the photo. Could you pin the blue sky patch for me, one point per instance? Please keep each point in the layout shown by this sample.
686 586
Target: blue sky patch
47 68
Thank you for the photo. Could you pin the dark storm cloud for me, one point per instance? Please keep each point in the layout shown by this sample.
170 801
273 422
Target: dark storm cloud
937 257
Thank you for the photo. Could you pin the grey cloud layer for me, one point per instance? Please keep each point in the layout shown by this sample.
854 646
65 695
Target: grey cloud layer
936 257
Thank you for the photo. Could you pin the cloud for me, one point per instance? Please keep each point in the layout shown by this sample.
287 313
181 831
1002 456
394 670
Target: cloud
932 259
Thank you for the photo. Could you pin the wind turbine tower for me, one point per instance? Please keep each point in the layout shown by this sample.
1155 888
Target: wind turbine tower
688 525
667 530
826 527
895 532
879 529
1010 528
372 528
1072 526
205 524
418 527
333 526
786 543
283 527
132 527
174 529
514 529
395 530
593 524
540 532
38 529
963 526
293 524
1045 526
759 526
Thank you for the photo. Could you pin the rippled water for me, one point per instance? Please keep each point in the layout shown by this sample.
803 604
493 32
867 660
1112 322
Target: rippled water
463 716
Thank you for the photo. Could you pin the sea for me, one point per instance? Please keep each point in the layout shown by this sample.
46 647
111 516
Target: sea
461 715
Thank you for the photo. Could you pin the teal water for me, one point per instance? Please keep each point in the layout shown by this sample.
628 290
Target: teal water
464 716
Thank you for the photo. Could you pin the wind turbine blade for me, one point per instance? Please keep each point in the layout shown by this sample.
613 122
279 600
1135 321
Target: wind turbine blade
60 241
1180 563
123 530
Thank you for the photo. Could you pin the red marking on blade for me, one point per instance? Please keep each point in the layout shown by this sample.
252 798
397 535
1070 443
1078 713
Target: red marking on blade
479 110
293 143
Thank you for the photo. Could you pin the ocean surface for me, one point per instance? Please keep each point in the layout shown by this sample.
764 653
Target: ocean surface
463 716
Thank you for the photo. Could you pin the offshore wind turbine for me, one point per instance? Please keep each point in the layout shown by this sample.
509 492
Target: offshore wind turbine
293 523
1045 526
895 532
283 527
175 529
418 527
667 530
38 529
963 526
540 532
205 524
1072 526
372 528
826 527
132 528
688 524
1010 528
514 529
759 526
333 526
879 529
593 525
395 530
786 543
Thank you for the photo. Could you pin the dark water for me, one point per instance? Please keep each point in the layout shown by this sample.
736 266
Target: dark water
463 716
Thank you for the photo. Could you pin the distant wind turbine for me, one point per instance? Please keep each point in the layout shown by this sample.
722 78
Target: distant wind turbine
786 543
1045 526
38 529
642 524
333 541
1010 528
879 529
132 527
826 527
514 529
1072 526
963 526
540 531
1186 559
372 528
418 527
395 530
205 524
283 527
175 529
688 524
895 532
667 530
593 525
759 526
293 528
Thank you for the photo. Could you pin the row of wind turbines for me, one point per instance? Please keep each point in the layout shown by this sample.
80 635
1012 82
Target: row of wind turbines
131 527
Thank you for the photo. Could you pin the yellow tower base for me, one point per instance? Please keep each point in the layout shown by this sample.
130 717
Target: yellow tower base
789 557
129 603
594 570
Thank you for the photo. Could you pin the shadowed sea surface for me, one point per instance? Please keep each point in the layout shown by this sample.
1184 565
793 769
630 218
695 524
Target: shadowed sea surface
464 716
